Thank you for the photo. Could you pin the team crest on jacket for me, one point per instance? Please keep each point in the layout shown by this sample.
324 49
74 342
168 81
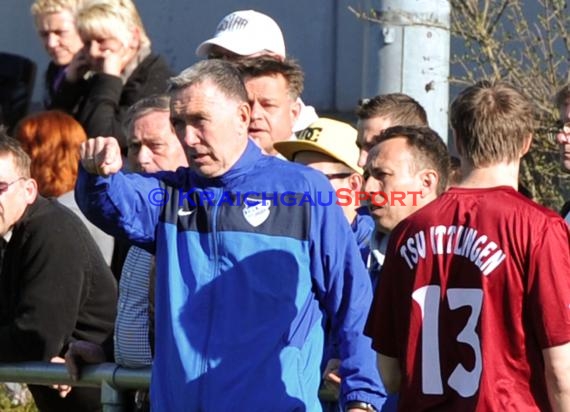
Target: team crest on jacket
256 211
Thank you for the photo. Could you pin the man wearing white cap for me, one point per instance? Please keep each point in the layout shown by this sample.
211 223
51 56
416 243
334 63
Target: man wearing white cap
250 34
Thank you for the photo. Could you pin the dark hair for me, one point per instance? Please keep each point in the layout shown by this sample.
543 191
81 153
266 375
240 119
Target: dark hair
428 150
492 122
220 72
9 145
400 108
269 66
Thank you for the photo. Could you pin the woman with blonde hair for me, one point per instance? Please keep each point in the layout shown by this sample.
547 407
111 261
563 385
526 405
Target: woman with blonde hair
122 66
52 140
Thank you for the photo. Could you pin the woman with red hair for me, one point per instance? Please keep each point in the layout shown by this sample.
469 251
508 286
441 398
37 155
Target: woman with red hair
52 140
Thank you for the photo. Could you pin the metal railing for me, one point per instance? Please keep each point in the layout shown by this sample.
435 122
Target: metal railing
112 378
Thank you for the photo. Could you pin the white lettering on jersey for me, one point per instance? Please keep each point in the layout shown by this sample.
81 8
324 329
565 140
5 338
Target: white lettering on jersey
456 240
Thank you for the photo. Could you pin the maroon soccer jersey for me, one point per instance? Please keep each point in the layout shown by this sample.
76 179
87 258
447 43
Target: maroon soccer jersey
474 286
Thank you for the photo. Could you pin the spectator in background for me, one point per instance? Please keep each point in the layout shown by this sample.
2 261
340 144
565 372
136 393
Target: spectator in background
273 88
471 312
383 111
124 70
247 34
52 140
563 138
55 24
55 286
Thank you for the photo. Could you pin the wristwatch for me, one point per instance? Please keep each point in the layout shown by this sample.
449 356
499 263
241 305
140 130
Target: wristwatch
360 405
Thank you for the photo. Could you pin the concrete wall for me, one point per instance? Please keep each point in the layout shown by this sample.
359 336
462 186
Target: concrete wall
324 36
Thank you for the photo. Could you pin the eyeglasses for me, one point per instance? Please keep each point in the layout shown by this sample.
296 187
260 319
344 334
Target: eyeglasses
338 175
5 186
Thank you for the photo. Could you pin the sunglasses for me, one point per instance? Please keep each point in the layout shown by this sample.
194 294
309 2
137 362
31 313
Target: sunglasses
332 176
5 186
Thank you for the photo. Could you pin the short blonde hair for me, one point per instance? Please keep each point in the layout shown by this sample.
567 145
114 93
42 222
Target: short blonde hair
40 7
110 17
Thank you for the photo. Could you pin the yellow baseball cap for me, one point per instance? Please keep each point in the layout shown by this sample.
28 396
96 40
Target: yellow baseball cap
327 136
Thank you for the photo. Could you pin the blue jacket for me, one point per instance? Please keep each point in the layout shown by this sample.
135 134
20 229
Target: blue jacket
363 227
241 287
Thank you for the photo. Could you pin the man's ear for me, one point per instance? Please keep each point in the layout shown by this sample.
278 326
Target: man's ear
429 181
526 144
356 182
244 116
30 191
295 110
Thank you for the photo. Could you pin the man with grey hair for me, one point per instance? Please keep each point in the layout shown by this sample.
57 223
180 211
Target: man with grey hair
243 277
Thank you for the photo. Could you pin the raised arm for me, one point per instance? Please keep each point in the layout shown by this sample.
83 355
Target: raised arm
123 205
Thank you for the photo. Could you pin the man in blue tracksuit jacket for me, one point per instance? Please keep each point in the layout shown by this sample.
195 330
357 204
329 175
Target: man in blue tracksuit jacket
248 260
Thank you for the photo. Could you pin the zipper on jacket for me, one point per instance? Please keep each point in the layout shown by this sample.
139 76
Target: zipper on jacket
214 275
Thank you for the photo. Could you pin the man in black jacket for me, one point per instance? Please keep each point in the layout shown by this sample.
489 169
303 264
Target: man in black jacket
54 286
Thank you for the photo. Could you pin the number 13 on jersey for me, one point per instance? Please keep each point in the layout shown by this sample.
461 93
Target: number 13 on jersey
464 382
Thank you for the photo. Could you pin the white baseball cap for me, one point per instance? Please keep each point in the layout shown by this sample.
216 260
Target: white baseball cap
246 32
